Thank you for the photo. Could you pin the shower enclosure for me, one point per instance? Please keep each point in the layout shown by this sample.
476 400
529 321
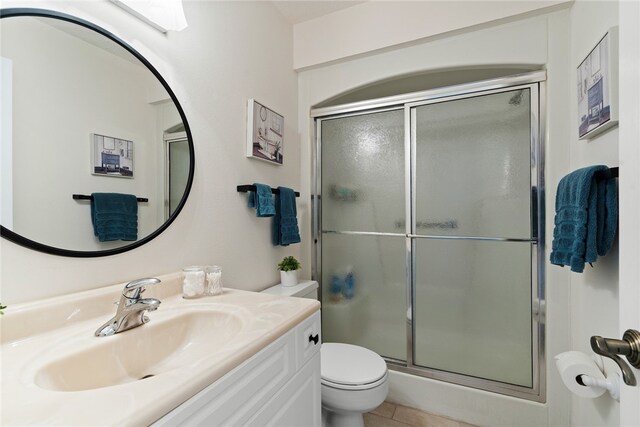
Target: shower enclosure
429 231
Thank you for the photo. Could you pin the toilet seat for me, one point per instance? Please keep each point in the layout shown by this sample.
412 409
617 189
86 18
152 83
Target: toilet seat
354 387
350 367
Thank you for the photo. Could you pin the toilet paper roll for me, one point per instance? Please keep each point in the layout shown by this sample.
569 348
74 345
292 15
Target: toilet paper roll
572 364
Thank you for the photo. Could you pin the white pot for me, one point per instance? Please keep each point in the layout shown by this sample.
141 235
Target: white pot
289 278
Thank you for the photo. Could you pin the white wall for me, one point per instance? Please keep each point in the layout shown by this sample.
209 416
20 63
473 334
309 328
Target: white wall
334 36
542 41
594 294
629 184
232 51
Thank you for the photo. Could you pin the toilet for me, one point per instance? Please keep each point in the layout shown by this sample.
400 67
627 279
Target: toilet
354 380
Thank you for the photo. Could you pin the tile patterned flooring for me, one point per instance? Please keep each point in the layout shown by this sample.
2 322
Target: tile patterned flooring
392 415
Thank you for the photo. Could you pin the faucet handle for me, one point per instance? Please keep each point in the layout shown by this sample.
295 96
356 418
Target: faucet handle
133 289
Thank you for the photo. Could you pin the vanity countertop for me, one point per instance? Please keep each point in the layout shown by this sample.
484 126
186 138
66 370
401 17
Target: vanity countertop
56 336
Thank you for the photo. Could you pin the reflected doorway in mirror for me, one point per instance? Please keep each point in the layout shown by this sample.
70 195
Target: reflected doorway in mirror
111 156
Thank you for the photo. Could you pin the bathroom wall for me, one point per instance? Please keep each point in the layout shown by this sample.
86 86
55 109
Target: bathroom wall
231 51
629 185
541 42
594 294
335 37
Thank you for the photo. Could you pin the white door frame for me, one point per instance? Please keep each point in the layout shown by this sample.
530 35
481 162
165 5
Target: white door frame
629 184
6 142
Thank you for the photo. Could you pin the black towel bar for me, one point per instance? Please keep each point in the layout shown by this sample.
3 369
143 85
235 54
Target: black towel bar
611 173
247 188
85 197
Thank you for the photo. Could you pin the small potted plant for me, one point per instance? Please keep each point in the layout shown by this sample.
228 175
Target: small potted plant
289 267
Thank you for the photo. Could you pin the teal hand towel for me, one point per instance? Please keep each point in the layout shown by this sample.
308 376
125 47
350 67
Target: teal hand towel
586 218
285 223
114 216
262 200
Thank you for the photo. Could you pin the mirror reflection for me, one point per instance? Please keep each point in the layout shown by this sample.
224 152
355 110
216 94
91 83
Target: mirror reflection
81 115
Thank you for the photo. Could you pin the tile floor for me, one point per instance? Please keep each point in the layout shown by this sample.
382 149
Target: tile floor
392 415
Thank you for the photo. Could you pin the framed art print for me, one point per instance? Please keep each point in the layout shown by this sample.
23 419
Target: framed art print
265 129
597 85
111 156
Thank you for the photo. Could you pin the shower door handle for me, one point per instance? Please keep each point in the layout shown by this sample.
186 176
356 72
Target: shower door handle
628 346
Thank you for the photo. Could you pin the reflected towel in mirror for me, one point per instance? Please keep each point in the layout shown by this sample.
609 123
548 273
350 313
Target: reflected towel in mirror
114 216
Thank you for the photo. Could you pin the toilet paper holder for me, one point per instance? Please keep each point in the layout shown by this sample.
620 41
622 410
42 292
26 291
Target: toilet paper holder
628 346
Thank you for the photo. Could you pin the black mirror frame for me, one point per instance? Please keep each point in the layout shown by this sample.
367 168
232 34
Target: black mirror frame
31 244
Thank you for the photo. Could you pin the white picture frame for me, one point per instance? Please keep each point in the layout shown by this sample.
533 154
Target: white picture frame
597 87
111 156
265 133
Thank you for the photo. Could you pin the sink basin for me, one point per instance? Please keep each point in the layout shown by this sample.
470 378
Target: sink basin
55 372
157 347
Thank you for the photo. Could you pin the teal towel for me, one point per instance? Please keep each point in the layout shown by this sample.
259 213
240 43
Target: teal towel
262 200
114 216
586 218
285 223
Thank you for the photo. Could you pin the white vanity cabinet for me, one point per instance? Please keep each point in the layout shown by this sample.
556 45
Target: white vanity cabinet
279 386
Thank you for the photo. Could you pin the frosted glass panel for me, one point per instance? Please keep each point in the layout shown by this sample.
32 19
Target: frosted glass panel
375 317
473 308
471 294
473 173
363 173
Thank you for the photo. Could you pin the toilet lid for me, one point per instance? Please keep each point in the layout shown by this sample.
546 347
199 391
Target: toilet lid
350 364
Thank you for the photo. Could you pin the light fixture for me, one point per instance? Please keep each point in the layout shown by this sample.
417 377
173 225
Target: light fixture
163 15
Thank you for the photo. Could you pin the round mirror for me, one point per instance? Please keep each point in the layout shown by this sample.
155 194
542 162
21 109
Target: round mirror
81 113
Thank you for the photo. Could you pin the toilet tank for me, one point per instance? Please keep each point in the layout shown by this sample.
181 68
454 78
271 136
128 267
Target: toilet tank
304 289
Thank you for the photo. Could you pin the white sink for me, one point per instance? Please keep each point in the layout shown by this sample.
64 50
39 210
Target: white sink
144 352
56 372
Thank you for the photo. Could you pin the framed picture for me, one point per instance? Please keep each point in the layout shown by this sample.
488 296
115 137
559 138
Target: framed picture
265 129
111 156
597 82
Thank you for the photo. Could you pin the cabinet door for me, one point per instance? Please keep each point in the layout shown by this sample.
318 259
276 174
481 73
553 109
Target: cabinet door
235 398
308 339
298 404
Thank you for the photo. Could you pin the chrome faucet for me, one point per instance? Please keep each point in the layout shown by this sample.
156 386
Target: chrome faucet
131 308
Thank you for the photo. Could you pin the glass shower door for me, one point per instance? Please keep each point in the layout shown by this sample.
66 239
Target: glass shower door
363 231
429 232
473 236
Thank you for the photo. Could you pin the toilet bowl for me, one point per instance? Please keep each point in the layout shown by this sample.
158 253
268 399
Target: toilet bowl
354 380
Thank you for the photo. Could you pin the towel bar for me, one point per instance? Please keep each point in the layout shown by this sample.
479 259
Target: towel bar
85 197
247 188
611 173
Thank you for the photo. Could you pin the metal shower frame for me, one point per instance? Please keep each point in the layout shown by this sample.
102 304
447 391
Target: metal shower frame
535 82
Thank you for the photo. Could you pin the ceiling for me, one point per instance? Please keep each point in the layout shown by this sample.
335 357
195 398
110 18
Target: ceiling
297 11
